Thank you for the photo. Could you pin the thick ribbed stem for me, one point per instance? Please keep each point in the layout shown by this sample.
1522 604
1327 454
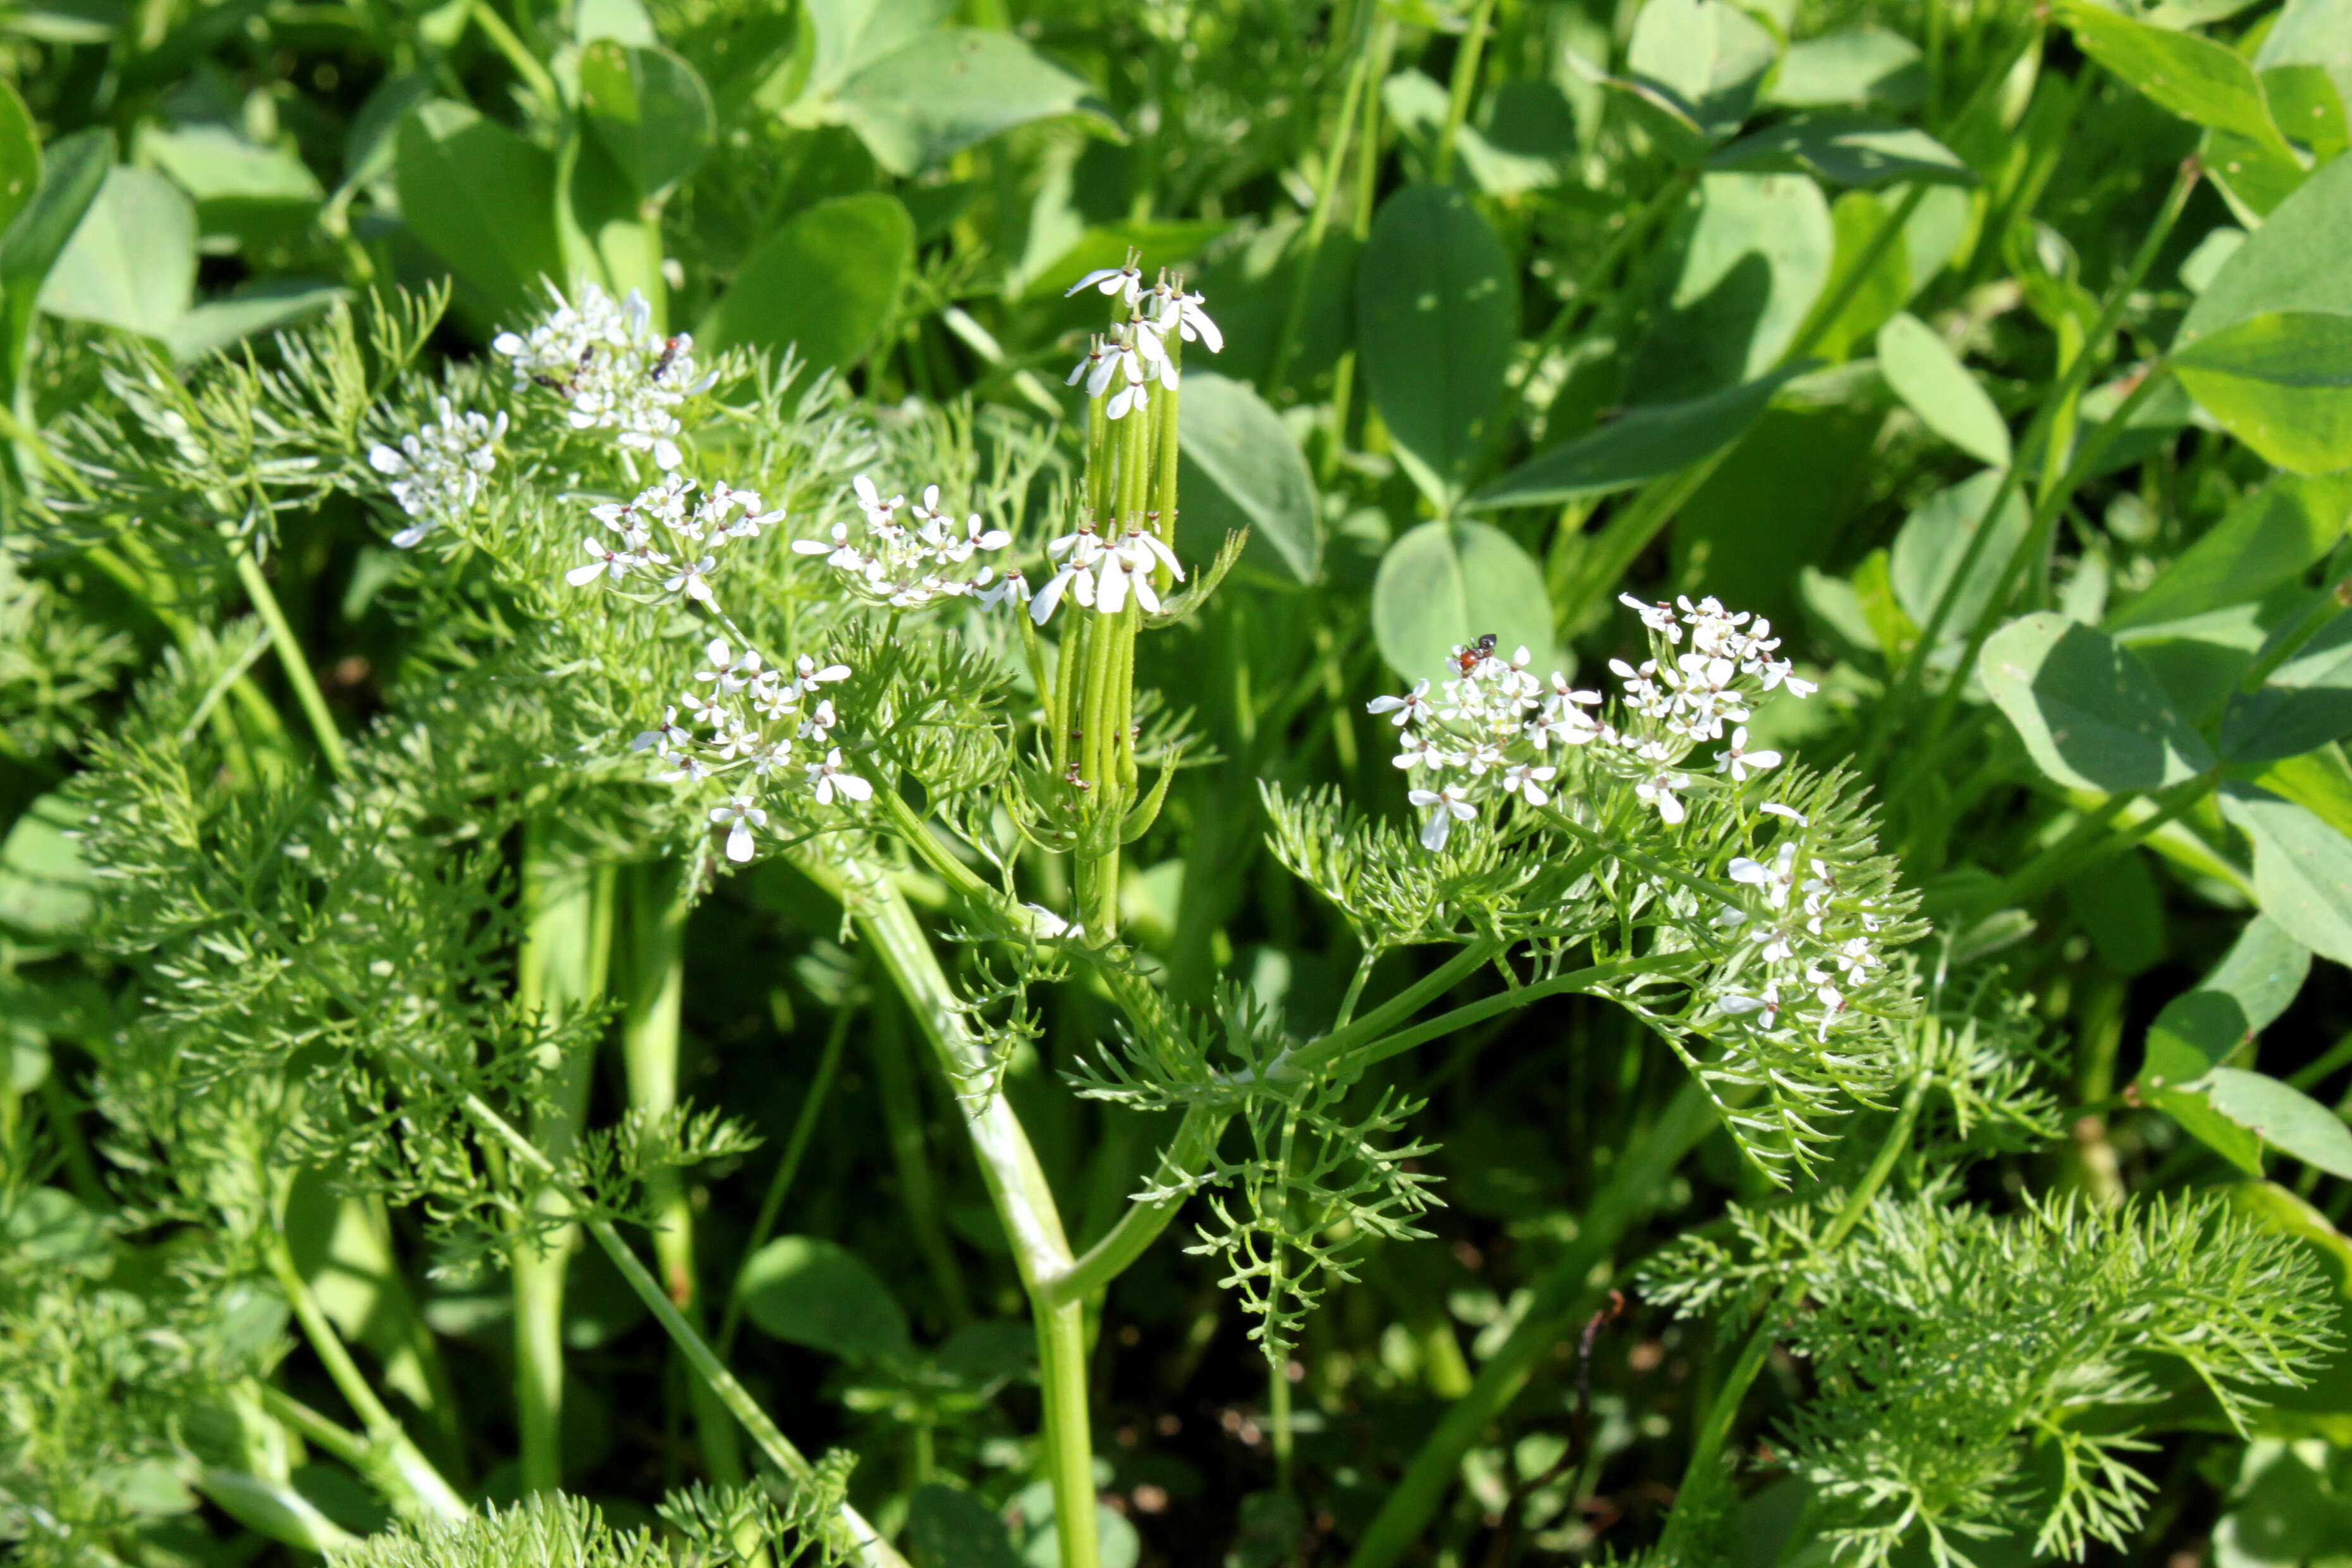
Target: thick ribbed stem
652 986
561 972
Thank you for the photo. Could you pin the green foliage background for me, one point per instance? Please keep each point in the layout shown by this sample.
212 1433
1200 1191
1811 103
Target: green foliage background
2002 356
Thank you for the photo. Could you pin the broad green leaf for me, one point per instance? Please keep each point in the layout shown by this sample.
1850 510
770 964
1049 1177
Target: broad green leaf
45 889
2320 781
2090 713
1437 313
2303 868
1251 284
604 230
2193 77
1847 150
819 1294
651 112
1932 383
2308 106
1773 504
2305 703
2254 177
2283 1117
483 200
1850 69
1706 56
949 89
2294 261
949 1527
2120 906
853 34
1643 445
342 1246
2309 33
1033 1506
2281 383
1930 546
1419 105
264 308
1243 470
1856 217
71 176
133 262
214 165
825 283
624 22
2200 1029
1747 266
20 157
2270 539
1448 583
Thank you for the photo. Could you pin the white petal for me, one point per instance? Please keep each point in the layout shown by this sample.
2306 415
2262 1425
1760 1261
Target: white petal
853 786
738 843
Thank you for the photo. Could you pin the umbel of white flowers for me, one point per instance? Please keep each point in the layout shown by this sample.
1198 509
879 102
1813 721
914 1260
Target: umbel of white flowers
439 470
1126 362
1496 734
611 368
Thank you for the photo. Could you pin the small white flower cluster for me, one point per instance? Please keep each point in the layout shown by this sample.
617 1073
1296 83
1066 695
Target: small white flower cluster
694 529
1490 733
439 470
755 716
1101 573
1125 363
612 369
907 565
1817 943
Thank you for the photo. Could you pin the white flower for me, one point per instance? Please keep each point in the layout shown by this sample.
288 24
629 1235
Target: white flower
603 561
1406 708
830 780
613 371
1856 958
879 513
740 815
693 580
1527 780
1737 761
1181 312
1126 281
1658 617
1447 807
439 470
1658 790
1767 1003
667 739
730 673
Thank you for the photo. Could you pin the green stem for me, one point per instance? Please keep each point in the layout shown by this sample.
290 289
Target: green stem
393 1461
795 1148
1462 1018
1070 1452
1705 1475
296 663
1563 1299
1464 85
1008 1166
526 64
653 990
1140 1224
1294 315
903 1124
560 973
2046 871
